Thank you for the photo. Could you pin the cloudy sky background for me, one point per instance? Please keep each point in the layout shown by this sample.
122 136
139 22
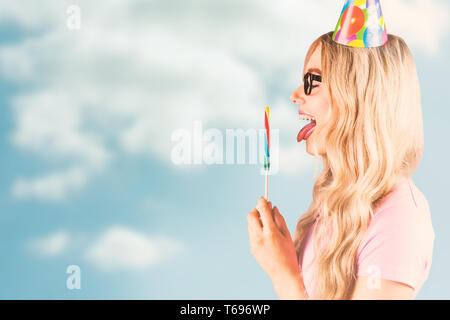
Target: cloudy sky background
86 122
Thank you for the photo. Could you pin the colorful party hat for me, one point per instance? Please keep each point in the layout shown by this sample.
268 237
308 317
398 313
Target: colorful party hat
361 25
267 141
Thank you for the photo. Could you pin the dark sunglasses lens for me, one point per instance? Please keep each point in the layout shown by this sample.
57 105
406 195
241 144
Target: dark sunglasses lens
306 83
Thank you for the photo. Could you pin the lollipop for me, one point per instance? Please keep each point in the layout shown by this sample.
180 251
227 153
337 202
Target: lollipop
267 148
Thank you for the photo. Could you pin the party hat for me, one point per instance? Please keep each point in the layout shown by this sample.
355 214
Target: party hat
267 141
361 25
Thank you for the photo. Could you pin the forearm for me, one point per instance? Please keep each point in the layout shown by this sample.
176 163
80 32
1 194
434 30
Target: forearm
290 287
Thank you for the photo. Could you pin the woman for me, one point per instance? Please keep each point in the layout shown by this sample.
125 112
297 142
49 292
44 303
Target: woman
367 233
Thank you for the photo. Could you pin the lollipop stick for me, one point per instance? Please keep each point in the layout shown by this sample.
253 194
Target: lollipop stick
267 186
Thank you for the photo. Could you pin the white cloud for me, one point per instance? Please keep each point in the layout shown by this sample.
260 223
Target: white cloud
51 121
138 70
120 248
31 15
421 23
51 187
50 245
117 248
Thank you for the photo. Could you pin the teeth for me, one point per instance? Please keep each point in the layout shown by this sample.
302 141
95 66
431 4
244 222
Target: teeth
305 117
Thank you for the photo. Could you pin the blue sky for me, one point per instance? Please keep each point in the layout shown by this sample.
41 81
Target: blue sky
86 120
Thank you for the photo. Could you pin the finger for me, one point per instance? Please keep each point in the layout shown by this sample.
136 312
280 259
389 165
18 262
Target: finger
266 213
254 220
278 222
281 222
269 204
254 228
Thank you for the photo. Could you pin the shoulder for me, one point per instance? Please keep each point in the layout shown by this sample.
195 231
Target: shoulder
400 237
404 212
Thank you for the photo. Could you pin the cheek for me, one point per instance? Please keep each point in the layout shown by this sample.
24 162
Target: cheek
323 105
323 112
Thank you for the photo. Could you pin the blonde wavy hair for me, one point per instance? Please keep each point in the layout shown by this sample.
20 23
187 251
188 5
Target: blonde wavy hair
374 135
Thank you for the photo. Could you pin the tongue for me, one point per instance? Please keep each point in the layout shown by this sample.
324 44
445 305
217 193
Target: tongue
305 130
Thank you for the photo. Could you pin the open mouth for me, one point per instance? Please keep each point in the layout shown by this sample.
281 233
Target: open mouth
308 129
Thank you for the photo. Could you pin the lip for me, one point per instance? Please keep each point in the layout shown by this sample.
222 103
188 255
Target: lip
300 112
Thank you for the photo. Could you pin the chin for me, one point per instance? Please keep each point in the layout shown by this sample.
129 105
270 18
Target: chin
309 151
309 147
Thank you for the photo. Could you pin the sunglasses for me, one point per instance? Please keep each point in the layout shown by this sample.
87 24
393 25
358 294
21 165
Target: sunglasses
308 79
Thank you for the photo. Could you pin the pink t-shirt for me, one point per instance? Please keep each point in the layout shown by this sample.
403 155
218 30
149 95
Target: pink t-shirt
398 245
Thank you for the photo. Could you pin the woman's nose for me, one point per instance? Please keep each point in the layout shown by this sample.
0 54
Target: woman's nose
295 96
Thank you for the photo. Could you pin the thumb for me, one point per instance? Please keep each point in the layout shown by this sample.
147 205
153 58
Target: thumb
280 222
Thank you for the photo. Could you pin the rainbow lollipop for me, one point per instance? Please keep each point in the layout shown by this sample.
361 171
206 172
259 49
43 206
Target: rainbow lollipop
267 154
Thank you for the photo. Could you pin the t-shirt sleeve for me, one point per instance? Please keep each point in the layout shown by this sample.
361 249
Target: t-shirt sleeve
397 247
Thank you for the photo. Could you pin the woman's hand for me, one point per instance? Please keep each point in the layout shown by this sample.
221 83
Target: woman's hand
271 243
